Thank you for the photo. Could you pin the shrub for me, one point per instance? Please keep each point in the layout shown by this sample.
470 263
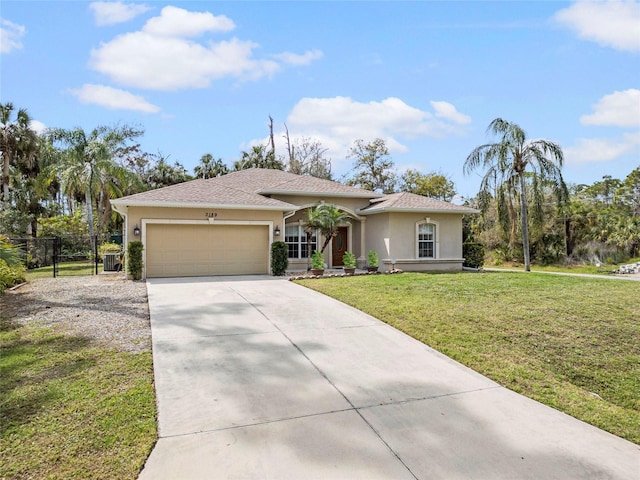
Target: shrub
134 252
279 258
10 275
372 258
317 260
473 254
349 260
64 225
108 247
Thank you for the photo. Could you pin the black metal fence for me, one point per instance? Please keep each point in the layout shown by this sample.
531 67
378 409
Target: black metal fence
70 255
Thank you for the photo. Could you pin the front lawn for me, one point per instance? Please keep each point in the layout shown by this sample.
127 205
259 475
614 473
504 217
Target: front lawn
70 409
571 343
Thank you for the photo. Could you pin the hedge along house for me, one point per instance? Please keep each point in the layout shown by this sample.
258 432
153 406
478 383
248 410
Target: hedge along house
225 225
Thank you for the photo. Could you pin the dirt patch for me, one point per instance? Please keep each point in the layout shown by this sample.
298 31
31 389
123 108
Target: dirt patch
108 310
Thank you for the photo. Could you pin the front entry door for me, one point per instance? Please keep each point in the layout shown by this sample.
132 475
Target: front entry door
339 246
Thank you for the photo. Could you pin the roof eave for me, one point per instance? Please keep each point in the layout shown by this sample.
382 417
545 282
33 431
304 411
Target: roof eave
417 210
319 194
226 206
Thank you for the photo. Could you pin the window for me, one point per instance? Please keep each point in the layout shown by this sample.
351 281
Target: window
296 240
426 240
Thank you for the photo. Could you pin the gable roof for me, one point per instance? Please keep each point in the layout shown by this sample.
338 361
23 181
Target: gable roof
410 202
251 189
270 182
202 194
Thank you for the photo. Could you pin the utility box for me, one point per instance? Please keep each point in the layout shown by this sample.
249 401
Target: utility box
111 262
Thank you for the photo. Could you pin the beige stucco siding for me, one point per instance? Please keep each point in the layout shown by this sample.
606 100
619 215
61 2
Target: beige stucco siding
393 236
377 234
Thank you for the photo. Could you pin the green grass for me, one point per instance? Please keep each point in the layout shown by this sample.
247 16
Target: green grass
587 269
559 340
66 269
69 410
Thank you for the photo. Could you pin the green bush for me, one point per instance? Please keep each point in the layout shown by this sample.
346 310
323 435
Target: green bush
135 259
473 254
108 247
279 258
64 225
11 275
372 257
349 260
317 260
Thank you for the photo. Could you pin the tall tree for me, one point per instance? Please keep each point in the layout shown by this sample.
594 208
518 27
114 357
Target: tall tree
163 174
210 167
307 157
373 167
514 167
434 185
18 142
88 161
258 157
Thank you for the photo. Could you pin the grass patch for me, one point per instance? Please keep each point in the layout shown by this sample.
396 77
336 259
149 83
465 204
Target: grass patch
65 269
71 410
571 343
585 269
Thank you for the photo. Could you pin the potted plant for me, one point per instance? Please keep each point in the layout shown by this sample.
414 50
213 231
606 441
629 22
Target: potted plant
349 262
373 261
317 260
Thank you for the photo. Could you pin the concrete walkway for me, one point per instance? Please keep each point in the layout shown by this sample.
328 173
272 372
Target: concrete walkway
260 378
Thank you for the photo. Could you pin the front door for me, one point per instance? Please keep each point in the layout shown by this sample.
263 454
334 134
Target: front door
339 246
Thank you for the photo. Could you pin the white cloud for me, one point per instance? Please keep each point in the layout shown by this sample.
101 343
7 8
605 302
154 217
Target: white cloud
10 36
295 59
621 109
591 150
37 126
337 122
161 57
177 22
613 23
110 13
448 112
113 98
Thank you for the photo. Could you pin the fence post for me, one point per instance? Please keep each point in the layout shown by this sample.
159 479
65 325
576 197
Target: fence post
57 247
95 253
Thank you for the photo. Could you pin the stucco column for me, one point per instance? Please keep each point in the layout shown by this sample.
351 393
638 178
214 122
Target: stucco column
363 246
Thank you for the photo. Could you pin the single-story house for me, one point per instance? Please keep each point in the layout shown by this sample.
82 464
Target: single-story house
225 225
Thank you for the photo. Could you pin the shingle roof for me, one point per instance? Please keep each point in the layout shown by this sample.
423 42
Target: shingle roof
203 193
251 189
410 202
266 182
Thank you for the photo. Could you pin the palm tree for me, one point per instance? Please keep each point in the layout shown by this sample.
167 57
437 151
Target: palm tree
18 142
512 165
326 218
210 167
87 163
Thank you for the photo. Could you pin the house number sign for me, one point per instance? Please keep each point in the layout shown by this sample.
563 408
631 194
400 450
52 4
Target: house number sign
210 214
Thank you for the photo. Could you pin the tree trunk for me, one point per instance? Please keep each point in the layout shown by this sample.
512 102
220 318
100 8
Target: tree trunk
87 199
525 223
6 156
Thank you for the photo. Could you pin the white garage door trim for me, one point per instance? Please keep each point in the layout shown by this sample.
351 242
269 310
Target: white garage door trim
211 221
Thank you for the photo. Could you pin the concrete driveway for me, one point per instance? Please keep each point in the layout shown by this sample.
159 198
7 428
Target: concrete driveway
257 377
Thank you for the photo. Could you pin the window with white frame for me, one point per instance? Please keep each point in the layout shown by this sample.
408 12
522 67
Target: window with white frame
296 239
426 240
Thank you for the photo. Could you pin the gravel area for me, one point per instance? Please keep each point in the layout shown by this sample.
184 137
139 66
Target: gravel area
106 309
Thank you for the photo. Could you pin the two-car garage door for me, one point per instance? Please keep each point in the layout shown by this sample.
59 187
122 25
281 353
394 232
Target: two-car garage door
180 250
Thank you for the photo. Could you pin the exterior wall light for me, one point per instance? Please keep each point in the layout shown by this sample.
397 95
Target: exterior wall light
276 231
136 231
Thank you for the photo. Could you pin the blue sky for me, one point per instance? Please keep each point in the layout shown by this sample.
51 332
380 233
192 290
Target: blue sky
428 77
